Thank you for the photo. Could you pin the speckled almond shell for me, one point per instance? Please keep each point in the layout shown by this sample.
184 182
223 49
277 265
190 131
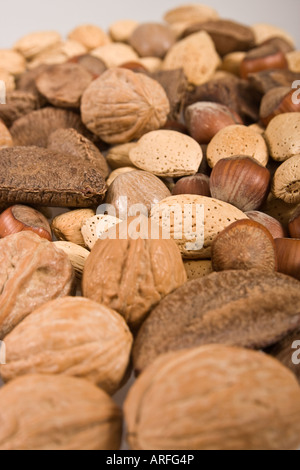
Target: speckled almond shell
283 136
225 398
217 216
41 412
74 337
196 269
286 181
237 140
93 228
167 153
67 226
252 309
5 137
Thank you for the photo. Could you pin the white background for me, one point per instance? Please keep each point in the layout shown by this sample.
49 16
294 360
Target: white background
19 17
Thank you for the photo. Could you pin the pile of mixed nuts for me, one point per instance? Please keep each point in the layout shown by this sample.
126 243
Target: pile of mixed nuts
173 153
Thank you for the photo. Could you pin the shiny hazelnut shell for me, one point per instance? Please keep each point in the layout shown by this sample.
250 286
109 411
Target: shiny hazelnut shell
197 184
263 58
288 255
20 218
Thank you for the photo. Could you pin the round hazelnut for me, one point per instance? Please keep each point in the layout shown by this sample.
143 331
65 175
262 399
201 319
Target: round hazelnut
263 58
277 101
22 218
288 256
197 184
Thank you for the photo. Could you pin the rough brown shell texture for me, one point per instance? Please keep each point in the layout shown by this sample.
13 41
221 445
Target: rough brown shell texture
132 276
121 106
252 309
74 337
18 103
37 176
32 272
287 352
57 413
214 398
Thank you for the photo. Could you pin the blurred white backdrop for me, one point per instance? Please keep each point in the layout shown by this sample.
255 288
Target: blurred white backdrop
19 17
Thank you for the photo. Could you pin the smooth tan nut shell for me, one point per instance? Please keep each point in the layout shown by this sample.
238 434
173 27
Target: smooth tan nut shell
119 171
196 55
115 54
35 43
153 64
90 36
74 337
293 59
197 269
76 254
232 62
121 106
167 153
132 276
263 32
237 140
283 136
191 13
67 226
11 61
225 398
121 31
41 412
118 156
217 216
5 137
59 54
95 227
286 182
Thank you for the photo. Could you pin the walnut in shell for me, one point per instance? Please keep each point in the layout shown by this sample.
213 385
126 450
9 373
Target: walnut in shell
214 398
41 412
121 106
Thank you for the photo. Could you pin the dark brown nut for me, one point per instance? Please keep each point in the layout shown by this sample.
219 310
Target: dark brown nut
278 209
70 142
93 344
205 119
32 272
134 67
36 127
36 176
240 181
152 40
280 43
263 58
277 101
58 413
64 84
127 275
206 399
175 126
175 84
288 255
121 106
23 218
135 187
294 224
252 309
197 184
287 352
92 64
275 228
268 79
244 245
18 104
228 36
286 181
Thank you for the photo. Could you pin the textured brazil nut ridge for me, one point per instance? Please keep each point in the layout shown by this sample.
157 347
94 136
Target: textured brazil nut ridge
252 309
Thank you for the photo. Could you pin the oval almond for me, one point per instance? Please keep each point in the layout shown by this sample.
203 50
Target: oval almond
283 136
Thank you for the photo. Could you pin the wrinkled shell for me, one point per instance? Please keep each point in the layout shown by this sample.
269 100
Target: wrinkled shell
57 413
167 153
196 55
121 106
197 269
90 36
252 309
121 31
115 54
237 140
5 137
74 337
132 276
286 182
183 209
225 399
13 62
95 227
67 226
283 137
32 272
18 103
36 43
76 254
118 156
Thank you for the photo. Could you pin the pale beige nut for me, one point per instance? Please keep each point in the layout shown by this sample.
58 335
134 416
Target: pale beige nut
194 222
198 268
90 36
5 137
118 156
35 43
121 106
58 54
197 55
225 398
67 226
115 54
286 182
232 62
191 13
257 128
119 171
95 227
283 136
153 64
41 412
167 154
72 336
293 59
264 31
121 31
8 79
13 62
279 209
237 140
76 254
